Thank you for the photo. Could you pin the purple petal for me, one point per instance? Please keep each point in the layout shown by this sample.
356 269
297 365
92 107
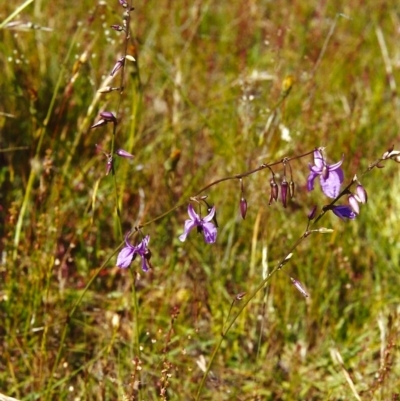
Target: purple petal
344 211
145 268
335 166
210 232
318 160
192 214
142 246
331 186
210 215
125 256
310 181
189 225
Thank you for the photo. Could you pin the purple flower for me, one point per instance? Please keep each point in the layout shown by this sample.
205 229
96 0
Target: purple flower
204 225
344 211
330 176
129 252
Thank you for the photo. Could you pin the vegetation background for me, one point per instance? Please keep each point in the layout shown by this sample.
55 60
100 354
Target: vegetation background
199 104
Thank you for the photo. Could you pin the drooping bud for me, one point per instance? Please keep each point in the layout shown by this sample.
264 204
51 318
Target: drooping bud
274 190
124 153
312 213
354 204
123 3
118 65
291 189
361 194
284 191
243 207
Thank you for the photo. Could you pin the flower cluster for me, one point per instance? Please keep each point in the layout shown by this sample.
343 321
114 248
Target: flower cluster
331 177
108 117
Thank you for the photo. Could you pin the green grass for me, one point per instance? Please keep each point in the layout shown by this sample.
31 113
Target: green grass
207 83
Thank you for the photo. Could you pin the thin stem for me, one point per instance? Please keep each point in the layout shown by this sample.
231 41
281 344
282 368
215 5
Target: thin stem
33 171
243 306
228 178
279 266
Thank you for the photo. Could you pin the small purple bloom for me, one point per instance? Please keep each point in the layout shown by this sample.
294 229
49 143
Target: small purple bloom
330 176
344 211
204 225
129 252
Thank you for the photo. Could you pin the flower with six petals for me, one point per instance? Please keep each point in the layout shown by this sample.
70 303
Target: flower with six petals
204 225
330 176
129 252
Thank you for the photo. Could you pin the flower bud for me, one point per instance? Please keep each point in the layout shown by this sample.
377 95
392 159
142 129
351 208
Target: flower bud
243 207
274 190
124 153
361 194
291 189
240 296
299 286
354 204
108 116
109 165
312 213
118 65
284 191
